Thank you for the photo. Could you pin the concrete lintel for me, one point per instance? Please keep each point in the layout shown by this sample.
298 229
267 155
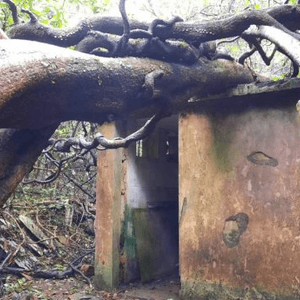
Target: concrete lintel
245 94
257 89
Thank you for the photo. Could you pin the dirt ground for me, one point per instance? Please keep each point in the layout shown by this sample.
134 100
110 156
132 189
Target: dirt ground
72 244
76 289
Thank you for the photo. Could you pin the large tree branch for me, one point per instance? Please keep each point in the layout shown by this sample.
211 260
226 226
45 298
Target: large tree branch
43 85
287 16
287 43
19 149
64 145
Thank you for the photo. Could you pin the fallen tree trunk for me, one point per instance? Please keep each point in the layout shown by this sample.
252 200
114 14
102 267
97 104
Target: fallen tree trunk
19 149
43 85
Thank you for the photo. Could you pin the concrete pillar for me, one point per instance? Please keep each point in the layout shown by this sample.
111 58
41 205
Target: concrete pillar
239 207
108 213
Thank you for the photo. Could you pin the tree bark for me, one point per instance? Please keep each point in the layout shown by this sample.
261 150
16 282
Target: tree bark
284 41
284 15
43 85
19 149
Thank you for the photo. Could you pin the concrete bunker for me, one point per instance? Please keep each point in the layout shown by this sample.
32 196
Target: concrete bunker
238 205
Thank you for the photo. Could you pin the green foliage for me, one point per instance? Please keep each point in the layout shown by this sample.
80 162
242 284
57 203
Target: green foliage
276 78
257 6
54 13
60 267
36 196
19 286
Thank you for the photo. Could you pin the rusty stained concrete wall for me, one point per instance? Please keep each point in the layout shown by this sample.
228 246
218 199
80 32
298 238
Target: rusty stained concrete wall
109 212
239 207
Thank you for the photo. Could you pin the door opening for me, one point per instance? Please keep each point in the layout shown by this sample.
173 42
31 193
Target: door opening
152 196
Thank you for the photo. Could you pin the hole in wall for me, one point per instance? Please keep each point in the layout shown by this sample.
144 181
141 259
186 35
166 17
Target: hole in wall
234 227
262 159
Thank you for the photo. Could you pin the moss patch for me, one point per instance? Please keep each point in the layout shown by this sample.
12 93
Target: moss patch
103 278
191 290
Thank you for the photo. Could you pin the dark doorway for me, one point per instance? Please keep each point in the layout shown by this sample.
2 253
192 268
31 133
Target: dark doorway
153 199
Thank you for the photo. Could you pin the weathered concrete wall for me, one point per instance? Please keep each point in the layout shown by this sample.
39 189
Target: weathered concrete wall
109 212
239 203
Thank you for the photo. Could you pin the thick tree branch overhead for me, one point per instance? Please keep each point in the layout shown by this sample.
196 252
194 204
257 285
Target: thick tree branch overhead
286 15
48 84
